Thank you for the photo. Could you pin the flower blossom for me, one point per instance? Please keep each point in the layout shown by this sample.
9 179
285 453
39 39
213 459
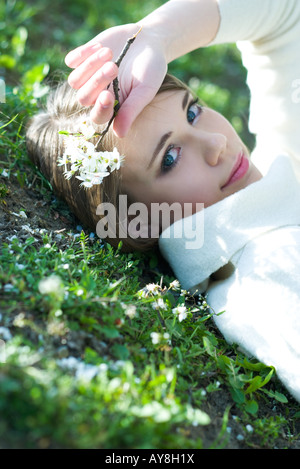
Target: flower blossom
52 284
158 338
180 312
80 156
159 304
153 288
175 285
87 129
130 311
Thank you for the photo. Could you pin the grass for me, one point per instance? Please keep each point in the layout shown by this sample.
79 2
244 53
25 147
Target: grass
80 355
93 351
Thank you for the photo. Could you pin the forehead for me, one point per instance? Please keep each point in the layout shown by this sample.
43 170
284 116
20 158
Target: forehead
157 110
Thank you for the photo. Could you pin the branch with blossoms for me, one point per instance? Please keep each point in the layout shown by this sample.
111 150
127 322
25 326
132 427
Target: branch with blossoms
83 156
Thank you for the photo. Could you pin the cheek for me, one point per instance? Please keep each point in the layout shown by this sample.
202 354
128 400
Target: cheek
194 178
200 185
138 191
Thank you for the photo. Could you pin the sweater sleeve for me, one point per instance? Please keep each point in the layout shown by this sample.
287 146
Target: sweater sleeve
267 33
261 315
258 21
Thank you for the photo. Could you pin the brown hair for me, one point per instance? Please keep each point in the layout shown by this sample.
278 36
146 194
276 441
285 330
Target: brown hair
45 146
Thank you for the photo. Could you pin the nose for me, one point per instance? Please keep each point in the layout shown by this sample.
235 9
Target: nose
213 146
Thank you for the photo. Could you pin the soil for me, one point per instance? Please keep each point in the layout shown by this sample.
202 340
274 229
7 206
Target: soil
46 213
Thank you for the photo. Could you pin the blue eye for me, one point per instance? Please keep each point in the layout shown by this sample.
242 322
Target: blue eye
170 158
173 154
194 110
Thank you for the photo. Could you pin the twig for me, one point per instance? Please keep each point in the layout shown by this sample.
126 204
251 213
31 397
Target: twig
126 47
116 86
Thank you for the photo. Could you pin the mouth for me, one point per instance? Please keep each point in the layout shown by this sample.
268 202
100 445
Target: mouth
239 170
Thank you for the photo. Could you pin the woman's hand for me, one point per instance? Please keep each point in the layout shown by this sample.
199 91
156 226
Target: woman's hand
172 30
140 75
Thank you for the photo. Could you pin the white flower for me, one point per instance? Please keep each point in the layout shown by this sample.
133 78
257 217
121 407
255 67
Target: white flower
64 159
21 214
84 148
130 311
50 284
180 312
155 337
90 179
175 285
81 154
153 288
87 129
159 304
115 160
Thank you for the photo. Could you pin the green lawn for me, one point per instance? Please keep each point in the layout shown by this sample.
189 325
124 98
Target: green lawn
93 353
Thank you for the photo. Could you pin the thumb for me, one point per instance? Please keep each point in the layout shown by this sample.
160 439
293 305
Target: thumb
133 105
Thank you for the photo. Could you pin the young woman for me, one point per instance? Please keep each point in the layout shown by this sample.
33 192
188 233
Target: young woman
179 151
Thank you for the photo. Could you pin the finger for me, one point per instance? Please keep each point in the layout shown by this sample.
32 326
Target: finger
86 70
89 92
76 56
103 108
138 99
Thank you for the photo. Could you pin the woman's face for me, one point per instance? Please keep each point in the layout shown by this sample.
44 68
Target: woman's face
179 151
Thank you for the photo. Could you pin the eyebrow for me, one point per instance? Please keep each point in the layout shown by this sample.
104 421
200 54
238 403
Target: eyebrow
159 147
167 135
185 100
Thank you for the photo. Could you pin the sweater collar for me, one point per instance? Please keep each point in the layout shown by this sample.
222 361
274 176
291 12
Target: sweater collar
227 226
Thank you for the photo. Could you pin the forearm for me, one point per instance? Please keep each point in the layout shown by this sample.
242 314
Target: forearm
183 25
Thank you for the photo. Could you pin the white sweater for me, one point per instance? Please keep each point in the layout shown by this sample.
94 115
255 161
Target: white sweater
250 258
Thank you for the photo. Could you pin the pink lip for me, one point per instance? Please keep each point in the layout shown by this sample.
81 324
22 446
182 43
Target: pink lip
239 170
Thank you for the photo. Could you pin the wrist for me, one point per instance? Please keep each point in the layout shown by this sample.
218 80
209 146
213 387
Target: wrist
153 35
179 27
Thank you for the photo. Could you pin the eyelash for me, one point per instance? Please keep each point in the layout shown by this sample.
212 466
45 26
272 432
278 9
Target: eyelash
178 149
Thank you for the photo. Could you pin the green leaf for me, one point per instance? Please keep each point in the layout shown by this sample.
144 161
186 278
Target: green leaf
111 333
252 366
36 74
276 395
238 396
7 61
120 351
251 407
7 123
18 41
255 384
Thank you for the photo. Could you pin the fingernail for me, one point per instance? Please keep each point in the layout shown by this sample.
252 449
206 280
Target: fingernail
103 104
